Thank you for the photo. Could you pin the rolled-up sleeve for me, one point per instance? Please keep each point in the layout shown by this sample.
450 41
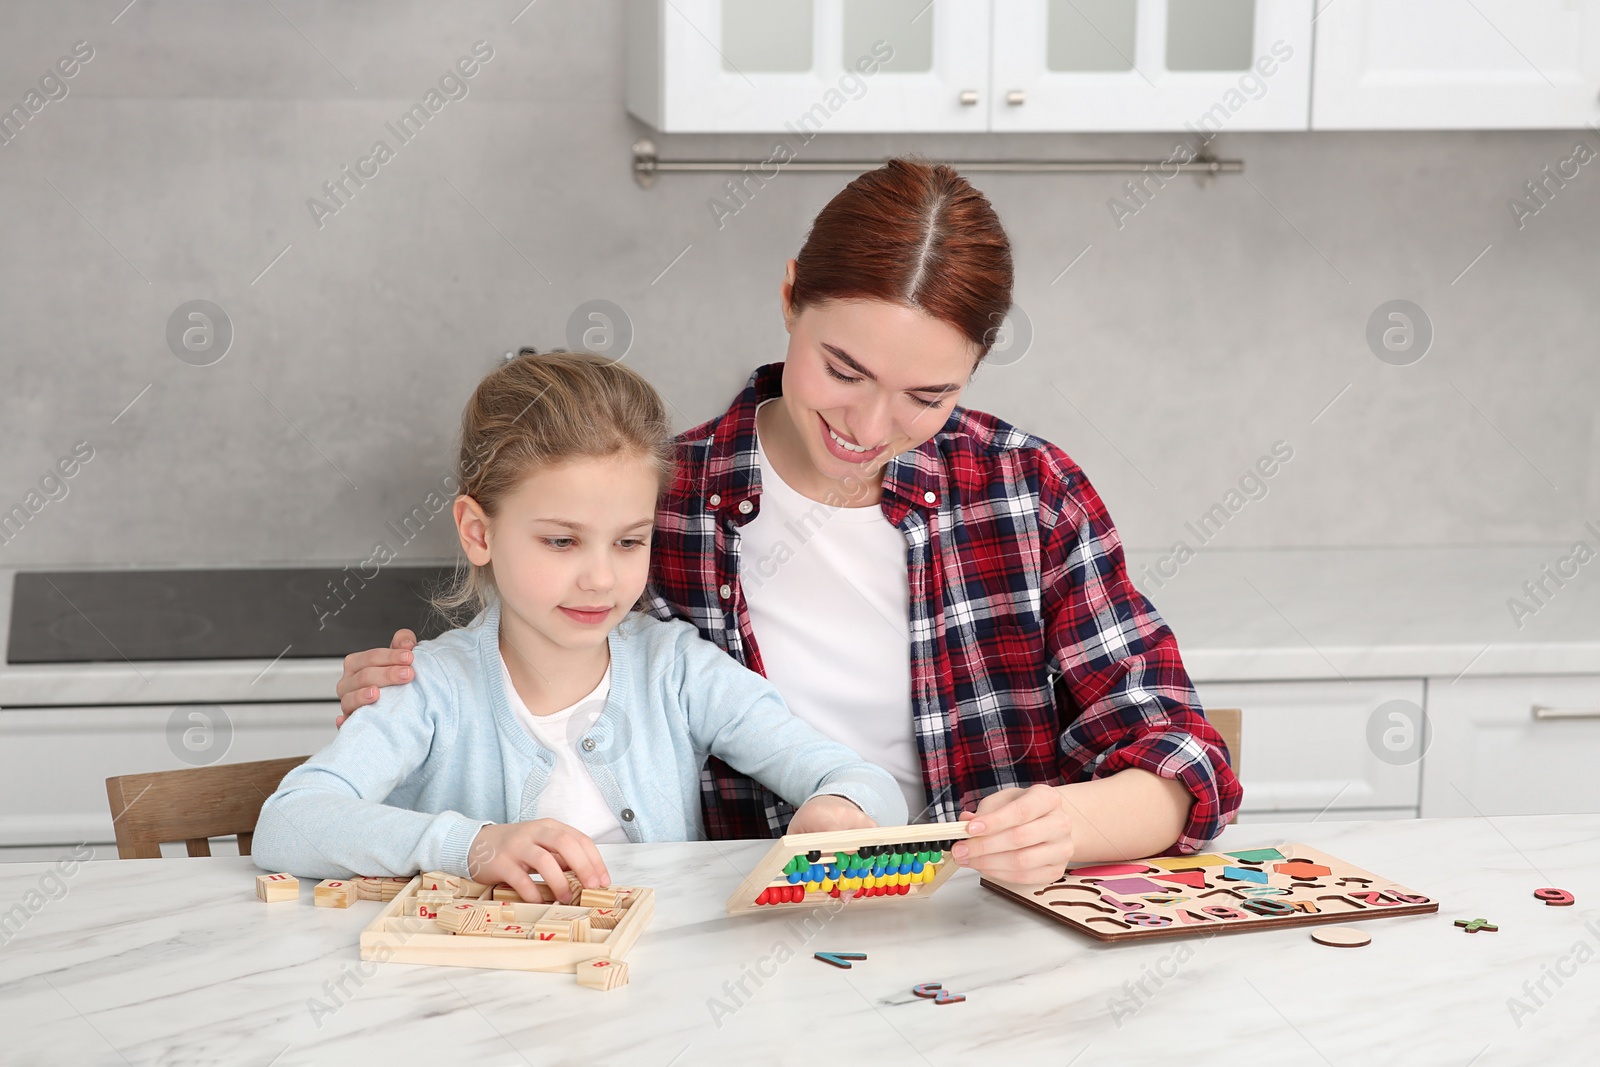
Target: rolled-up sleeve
1122 692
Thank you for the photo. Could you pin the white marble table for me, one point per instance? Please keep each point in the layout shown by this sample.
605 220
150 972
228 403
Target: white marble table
175 962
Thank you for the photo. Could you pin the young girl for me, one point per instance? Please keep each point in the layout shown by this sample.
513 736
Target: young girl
559 716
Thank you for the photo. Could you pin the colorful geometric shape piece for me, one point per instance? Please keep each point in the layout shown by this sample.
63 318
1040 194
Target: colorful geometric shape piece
1130 886
1193 879
1178 863
1244 874
1301 869
1258 855
1107 870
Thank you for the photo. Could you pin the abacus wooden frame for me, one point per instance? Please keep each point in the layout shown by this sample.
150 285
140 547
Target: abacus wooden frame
742 900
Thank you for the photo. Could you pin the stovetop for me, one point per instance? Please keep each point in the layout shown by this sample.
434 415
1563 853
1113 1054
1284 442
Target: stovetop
139 615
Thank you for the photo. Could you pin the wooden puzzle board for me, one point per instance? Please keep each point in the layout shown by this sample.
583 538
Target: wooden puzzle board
923 850
396 937
1214 893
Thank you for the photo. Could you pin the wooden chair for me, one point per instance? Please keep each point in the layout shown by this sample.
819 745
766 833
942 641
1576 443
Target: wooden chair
1229 723
192 805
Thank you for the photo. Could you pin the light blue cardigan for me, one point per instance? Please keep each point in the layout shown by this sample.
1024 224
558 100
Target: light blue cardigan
410 780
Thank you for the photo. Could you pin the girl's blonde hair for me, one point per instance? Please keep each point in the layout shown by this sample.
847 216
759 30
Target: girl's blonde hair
539 410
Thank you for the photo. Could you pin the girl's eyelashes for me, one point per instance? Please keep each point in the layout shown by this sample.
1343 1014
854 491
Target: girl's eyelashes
560 543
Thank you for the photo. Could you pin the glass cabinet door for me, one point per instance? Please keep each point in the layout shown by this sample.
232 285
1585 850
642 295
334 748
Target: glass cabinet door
802 67
1202 65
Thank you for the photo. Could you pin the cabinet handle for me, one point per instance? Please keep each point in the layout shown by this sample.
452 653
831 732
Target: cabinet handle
969 97
1542 712
1016 97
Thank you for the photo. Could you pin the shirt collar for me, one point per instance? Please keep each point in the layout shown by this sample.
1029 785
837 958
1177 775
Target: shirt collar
913 480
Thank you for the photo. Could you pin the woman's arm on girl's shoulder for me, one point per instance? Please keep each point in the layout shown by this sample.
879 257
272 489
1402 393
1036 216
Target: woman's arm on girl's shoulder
1123 691
327 818
737 715
365 673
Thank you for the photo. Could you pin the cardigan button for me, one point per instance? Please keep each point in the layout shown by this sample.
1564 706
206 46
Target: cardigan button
716 499
929 497
588 744
627 814
745 507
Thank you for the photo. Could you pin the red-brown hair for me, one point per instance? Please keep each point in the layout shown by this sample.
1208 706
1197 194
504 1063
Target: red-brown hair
911 233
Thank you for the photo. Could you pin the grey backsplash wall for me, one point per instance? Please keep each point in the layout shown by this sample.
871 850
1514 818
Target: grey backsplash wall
1219 320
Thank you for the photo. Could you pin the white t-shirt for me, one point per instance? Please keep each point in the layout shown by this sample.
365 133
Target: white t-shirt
830 607
570 795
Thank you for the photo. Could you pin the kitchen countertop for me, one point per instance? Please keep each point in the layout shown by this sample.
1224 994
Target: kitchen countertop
175 961
1239 615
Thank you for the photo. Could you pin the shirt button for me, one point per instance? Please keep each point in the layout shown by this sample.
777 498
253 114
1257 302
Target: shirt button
627 814
929 497
588 744
726 591
716 499
745 507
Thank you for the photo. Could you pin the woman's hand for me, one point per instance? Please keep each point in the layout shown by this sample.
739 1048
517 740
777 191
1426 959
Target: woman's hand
509 852
364 671
1018 835
828 813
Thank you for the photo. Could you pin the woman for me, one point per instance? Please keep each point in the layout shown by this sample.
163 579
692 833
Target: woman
931 586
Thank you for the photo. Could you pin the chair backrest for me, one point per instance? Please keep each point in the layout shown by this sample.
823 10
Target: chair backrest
192 805
1229 722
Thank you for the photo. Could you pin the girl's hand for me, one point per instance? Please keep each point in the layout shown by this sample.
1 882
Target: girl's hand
1019 835
364 671
828 813
510 852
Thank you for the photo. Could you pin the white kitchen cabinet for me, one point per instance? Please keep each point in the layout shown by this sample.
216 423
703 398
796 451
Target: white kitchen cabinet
1456 64
798 67
1513 746
1306 748
801 67
56 760
1183 65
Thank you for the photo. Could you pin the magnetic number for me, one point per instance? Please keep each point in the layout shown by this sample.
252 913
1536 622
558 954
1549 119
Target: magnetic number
1144 918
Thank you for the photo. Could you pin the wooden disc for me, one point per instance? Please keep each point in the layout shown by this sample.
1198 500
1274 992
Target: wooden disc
1341 937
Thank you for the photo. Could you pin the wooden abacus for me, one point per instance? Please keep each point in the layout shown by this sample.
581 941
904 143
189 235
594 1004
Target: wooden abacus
863 866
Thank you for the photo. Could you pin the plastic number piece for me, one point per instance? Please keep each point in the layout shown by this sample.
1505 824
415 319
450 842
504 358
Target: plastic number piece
937 993
840 959
1274 909
1555 898
1145 918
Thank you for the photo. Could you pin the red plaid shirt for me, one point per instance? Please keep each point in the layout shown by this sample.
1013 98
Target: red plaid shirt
1033 657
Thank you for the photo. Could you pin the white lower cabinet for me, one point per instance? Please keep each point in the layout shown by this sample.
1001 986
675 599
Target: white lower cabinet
1513 746
1324 749
55 761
